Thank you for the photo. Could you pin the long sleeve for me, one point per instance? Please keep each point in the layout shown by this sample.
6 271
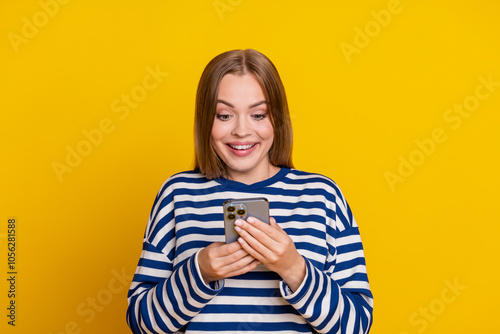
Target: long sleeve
162 301
337 298
338 301
167 290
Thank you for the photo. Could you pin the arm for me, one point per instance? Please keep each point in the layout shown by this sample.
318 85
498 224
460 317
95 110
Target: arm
333 299
338 299
162 300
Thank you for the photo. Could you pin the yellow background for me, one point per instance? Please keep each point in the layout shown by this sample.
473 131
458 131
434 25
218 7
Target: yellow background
355 116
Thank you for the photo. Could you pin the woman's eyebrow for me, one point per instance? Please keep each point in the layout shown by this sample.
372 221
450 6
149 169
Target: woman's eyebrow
257 104
226 103
249 107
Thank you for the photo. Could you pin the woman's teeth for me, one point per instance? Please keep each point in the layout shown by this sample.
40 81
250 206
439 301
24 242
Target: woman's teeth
241 147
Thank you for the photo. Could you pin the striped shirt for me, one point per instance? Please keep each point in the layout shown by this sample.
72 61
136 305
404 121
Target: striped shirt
168 294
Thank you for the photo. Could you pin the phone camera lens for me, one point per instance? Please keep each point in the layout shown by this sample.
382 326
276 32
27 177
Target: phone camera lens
231 216
240 212
230 208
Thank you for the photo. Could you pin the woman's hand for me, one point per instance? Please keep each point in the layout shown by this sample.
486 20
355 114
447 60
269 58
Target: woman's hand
220 260
271 245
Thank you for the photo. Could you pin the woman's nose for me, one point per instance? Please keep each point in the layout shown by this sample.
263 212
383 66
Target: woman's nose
242 127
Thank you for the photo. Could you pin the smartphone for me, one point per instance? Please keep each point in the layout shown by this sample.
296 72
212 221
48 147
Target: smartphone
242 209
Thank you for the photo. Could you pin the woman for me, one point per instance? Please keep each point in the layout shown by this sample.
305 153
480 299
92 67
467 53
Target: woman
304 272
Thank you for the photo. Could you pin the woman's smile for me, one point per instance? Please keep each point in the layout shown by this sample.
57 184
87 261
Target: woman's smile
242 150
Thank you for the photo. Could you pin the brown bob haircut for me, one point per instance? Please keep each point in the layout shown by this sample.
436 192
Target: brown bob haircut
240 62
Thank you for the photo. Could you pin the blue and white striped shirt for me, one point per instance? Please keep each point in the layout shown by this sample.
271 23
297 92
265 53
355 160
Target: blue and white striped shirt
168 294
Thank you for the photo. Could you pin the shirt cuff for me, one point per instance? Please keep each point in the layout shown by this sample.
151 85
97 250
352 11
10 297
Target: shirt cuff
295 296
214 286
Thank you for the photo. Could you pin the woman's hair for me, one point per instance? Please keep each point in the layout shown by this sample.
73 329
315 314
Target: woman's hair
240 62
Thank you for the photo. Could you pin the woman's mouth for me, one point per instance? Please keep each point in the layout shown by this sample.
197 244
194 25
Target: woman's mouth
242 150
242 147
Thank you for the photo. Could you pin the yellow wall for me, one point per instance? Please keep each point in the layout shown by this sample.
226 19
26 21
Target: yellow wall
397 101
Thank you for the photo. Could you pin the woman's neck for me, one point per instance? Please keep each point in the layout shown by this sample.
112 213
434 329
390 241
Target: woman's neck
253 176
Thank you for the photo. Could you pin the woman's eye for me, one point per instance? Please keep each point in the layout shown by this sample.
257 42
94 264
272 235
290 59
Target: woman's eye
223 117
259 117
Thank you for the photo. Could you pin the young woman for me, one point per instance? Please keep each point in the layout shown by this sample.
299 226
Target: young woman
302 273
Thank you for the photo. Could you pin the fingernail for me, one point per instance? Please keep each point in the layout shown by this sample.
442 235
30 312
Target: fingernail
238 229
250 220
238 222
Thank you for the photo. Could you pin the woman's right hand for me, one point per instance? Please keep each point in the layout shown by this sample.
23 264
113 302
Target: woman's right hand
220 260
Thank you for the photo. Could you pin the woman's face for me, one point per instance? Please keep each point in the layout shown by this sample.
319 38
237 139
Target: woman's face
242 134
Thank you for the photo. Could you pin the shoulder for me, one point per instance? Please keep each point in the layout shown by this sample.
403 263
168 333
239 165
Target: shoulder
189 176
303 175
322 185
183 180
314 181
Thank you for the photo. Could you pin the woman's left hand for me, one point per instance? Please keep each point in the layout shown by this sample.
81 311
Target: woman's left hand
269 244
